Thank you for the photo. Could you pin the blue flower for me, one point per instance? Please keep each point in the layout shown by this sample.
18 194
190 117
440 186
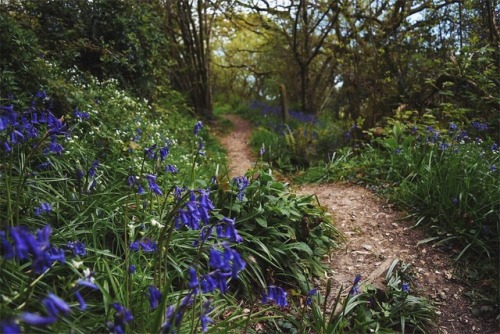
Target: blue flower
154 297
148 246
44 207
193 280
355 288
171 168
93 168
80 114
150 152
121 318
216 260
262 150
493 168
494 147
9 327
152 184
453 127
275 294
6 248
55 305
78 248
405 287
164 151
37 320
398 150
197 127
134 246
241 183
310 294
131 269
204 318
81 301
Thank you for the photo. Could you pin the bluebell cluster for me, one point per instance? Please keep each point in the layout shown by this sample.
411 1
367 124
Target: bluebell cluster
22 127
275 294
241 183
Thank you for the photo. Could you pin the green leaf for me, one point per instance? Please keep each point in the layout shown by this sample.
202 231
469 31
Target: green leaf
261 221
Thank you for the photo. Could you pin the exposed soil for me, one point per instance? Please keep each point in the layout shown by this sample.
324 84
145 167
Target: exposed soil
375 235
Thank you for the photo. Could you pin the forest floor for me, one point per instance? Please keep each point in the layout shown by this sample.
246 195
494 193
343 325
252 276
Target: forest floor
376 233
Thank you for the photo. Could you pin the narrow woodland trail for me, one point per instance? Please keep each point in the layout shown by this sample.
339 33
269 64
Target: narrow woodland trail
375 235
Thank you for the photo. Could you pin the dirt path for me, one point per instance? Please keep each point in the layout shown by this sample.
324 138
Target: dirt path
376 235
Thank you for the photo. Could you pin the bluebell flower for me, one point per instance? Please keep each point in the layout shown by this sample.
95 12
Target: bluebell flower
193 280
241 183
494 147
204 318
134 246
355 288
37 320
197 127
6 248
9 327
121 318
6 147
93 168
152 184
171 168
150 152
405 287
55 305
80 114
479 126
443 146
310 294
140 189
201 147
454 200
41 94
398 150
231 233
453 127
493 168
54 146
148 246
262 150
220 278
81 302
87 282
275 294
78 248
131 269
131 180
44 165
44 207
207 284
56 126
154 297
43 237
217 261
164 151
16 137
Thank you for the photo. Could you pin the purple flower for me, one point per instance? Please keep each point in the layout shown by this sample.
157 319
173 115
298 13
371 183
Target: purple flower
37 320
78 248
9 327
241 183
398 150
134 246
355 289
55 305
493 168
171 168
93 168
121 318
154 297
204 318
454 200
275 294
152 184
148 246
149 152
81 302
44 207
164 152
262 150
405 287
494 147
310 294
193 280
197 127
80 114
131 269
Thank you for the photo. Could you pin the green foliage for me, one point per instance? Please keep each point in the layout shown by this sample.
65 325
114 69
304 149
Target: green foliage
108 39
285 235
